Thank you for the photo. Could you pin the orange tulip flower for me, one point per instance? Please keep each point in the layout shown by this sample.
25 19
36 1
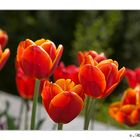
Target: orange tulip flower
25 84
63 100
98 57
38 59
3 38
99 79
69 72
127 111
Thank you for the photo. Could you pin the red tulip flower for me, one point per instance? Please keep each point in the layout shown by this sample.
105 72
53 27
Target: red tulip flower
98 57
38 59
133 77
99 79
127 111
3 38
69 72
63 100
25 84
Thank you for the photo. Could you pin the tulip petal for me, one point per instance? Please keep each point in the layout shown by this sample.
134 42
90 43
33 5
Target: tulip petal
57 58
36 62
110 90
127 109
65 84
129 97
50 48
61 83
135 116
137 90
120 117
4 57
79 90
22 46
3 38
121 73
114 108
40 41
49 91
88 60
92 80
131 77
110 73
65 107
137 71
69 84
80 57
25 85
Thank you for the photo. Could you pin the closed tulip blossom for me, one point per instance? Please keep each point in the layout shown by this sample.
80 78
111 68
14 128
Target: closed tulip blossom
4 54
99 79
127 111
38 59
98 57
63 100
25 84
133 77
69 72
3 38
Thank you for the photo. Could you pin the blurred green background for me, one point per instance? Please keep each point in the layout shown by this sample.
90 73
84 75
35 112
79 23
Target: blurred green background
116 33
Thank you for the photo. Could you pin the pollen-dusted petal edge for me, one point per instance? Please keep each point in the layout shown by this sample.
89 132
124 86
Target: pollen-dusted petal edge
62 100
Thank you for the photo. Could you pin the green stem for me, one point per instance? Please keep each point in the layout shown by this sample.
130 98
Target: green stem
93 115
86 109
60 126
89 114
35 100
26 114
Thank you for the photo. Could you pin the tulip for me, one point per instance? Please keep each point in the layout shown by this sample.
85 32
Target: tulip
69 72
3 38
98 57
99 79
127 111
4 56
38 59
133 77
25 84
63 100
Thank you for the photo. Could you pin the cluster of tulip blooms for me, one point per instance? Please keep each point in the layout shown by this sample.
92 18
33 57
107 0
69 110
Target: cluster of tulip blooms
127 110
74 87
